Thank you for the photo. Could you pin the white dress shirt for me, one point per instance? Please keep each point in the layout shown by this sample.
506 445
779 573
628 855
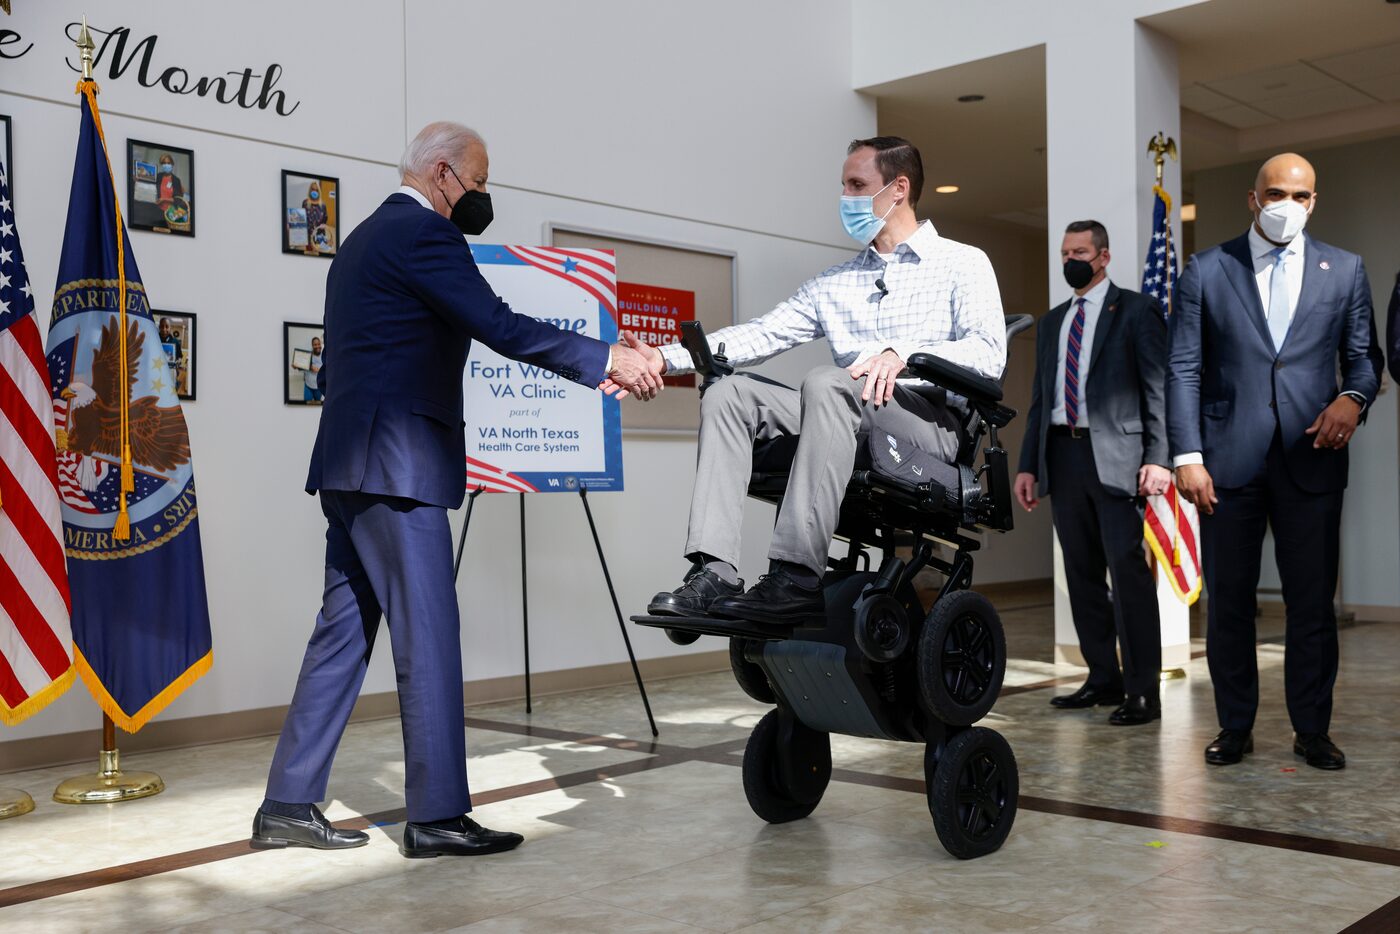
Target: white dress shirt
1093 307
415 194
1261 251
942 299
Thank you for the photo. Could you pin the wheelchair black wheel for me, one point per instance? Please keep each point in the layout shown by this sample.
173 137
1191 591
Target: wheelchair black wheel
961 658
750 677
973 787
787 767
681 638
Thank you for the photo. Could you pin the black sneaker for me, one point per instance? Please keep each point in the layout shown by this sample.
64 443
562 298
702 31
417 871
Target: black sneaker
777 600
693 597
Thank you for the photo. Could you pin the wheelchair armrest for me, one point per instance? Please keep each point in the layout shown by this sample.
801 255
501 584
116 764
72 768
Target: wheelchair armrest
950 376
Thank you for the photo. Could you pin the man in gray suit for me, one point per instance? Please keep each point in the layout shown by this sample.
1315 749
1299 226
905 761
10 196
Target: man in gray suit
1096 437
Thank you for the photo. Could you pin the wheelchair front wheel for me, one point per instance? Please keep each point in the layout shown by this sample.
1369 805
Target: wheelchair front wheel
961 658
681 638
787 767
751 677
972 786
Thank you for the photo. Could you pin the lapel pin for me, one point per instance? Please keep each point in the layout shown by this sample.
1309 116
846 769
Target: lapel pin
1324 265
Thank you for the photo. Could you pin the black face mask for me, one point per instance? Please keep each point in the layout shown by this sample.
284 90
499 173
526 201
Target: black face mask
1078 273
472 213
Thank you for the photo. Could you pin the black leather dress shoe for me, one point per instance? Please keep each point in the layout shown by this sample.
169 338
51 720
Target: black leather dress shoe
1229 747
1319 751
1136 709
465 838
695 594
1087 697
273 832
777 600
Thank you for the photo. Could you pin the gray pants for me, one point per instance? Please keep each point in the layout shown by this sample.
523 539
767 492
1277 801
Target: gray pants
831 421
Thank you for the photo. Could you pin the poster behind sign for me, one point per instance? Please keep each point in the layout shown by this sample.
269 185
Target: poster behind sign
530 430
654 313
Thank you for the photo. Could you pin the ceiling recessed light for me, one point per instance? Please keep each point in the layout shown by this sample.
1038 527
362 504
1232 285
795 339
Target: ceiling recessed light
974 98
946 189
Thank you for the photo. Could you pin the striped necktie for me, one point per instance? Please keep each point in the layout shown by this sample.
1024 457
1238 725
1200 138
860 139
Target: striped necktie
1072 348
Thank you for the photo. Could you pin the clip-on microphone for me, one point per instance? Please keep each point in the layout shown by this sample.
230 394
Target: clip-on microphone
880 284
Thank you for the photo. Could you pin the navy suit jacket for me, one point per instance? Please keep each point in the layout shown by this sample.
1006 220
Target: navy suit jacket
404 301
1124 391
1229 392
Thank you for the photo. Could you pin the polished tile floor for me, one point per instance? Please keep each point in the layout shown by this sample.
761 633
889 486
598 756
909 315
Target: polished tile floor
1120 829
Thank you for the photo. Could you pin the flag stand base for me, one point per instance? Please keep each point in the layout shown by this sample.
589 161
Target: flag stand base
110 784
14 802
1171 674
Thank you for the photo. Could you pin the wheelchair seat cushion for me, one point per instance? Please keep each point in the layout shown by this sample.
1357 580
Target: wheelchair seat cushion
899 459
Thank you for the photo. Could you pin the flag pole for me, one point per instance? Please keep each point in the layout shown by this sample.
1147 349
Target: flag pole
14 802
1159 147
110 784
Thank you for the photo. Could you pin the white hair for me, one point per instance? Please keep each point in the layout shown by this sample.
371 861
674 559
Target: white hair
443 141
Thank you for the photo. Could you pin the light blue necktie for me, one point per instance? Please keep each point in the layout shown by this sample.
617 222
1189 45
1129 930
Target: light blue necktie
1279 305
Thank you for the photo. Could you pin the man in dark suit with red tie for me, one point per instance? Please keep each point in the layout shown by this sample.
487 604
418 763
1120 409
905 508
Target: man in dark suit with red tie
1095 441
1259 429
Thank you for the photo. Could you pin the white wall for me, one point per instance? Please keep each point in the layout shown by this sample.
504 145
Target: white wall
732 138
1355 185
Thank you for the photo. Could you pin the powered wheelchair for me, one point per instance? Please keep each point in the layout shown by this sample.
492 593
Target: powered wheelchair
881 665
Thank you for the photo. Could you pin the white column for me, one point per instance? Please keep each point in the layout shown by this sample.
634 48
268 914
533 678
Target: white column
1104 100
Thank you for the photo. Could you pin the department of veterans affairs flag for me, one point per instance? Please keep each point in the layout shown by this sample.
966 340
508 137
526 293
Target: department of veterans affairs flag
140 613
36 658
1170 524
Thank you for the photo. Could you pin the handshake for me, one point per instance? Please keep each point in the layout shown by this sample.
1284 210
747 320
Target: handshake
636 369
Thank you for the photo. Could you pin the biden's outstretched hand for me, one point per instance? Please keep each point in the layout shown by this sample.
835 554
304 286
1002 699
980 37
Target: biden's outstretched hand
636 369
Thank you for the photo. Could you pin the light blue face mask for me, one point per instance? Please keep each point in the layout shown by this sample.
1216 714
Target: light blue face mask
858 216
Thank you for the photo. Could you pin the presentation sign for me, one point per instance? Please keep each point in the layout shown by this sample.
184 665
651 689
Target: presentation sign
654 313
530 430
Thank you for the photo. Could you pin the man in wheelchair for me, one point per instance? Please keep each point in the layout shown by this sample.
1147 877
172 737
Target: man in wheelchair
908 291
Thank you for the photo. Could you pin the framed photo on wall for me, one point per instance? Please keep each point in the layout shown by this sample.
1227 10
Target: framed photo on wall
302 349
177 339
160 188
310 214
7 152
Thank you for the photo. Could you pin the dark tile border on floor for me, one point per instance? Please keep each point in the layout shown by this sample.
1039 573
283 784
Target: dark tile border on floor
658 755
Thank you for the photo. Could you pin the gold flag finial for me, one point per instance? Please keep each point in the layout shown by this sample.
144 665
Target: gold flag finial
1161 146
85 47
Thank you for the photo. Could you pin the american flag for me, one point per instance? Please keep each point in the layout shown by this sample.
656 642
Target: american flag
36 658
1170 525
1159 272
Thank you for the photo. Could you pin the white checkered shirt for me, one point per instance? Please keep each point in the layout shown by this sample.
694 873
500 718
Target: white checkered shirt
943 300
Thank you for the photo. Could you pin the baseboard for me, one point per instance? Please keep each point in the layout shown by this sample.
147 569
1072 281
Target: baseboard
1373 613
22 755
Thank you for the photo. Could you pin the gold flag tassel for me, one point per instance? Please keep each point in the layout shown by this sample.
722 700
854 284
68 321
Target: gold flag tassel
87 87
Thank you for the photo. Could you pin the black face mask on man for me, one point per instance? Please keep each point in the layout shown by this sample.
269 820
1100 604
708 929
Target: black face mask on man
1078 273
472 213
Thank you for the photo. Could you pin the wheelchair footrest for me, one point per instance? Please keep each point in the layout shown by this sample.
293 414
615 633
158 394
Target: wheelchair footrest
712 626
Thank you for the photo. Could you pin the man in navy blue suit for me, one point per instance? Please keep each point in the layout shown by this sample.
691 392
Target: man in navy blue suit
404 301
1392 330
1259 428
